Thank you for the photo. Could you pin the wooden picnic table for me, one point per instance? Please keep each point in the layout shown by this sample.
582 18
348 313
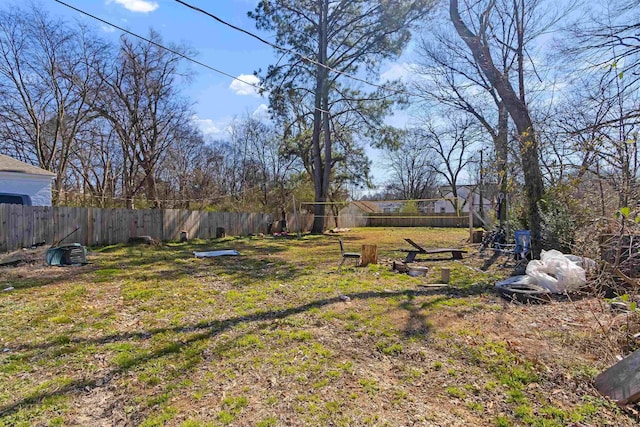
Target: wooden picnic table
411 253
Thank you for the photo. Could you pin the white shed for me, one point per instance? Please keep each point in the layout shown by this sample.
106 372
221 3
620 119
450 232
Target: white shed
22 179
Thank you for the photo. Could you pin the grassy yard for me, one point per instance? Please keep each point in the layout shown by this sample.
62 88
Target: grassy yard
153 336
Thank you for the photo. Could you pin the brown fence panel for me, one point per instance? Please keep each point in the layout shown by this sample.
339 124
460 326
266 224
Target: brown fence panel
23 226
174 221
404 220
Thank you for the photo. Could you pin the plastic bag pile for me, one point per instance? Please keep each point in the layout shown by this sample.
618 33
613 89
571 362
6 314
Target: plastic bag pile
558 272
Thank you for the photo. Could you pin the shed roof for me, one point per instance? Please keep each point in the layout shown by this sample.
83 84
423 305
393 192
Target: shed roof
9 164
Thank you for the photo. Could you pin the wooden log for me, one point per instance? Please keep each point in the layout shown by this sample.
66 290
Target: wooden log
399 266
369 255
476 236
621 382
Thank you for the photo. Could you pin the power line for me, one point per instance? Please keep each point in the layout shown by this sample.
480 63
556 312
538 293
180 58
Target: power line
175 52
287 50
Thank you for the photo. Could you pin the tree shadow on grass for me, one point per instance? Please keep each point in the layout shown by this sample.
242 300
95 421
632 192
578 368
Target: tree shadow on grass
204 331
175 260
29 276
417 324
516 269
495 256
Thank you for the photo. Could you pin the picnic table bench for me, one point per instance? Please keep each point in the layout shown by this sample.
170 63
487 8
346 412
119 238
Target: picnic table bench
411 253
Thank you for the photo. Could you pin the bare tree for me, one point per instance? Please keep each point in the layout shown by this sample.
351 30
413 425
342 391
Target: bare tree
478 41
46 83
609 39
143 105
450 147
412 168
451 78
265 152
602 140
98 164
181 170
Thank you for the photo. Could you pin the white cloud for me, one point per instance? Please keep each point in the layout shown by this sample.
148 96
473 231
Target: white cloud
398 71
243 85
142 6
107 28
261 113
217 129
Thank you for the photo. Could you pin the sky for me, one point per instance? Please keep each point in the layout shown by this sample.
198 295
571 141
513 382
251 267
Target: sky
218 99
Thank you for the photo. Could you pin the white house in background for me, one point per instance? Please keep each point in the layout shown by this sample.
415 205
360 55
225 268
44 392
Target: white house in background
389 206
445 204
23 183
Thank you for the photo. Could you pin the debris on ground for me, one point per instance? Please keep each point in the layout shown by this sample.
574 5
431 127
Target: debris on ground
211 254
10 288
71 254
344 298
433 285
399 266
35 254
11 262
143 240
556 273
339 230
417 271
522 289
621 382
553 273
624 304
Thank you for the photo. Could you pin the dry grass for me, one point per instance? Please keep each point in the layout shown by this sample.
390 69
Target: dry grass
154 336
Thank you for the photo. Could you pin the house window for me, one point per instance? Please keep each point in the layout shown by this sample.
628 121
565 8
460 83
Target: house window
443 209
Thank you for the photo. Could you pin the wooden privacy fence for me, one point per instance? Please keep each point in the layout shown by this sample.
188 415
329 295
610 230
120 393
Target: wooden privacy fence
23 226
384 220
409 220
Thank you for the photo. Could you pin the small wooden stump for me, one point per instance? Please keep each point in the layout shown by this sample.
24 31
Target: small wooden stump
445 275
369 255
183 236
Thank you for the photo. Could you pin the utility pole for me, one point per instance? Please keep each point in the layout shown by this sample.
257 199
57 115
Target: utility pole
481 186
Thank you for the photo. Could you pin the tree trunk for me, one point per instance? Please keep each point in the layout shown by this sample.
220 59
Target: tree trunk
519 113
501 143
321 170
150 186
533 187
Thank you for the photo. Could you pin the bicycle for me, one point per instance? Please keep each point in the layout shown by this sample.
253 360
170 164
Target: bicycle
494 239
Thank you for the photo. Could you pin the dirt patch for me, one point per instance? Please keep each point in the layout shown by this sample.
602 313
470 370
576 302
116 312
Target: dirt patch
100 407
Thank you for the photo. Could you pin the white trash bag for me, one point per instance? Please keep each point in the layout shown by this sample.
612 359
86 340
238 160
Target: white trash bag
589 265
556 272
537 270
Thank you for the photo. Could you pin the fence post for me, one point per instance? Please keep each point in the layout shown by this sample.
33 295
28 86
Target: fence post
470 204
